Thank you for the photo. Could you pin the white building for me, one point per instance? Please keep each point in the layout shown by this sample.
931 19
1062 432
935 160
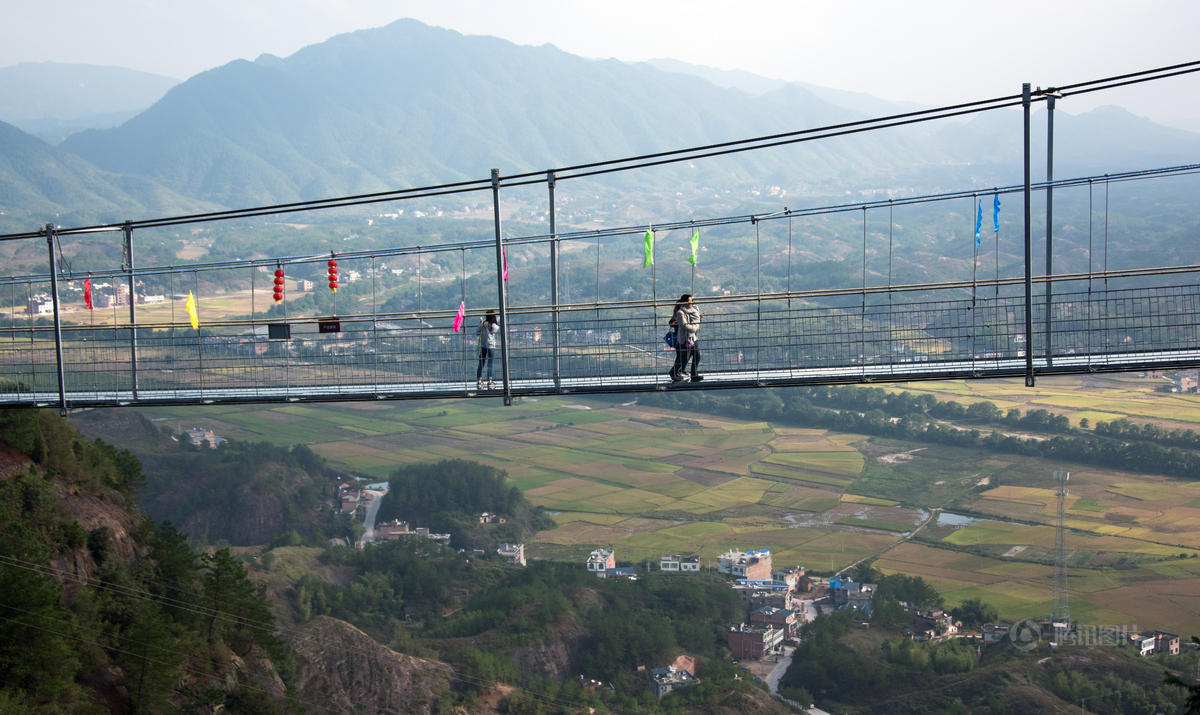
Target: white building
674 564
512 553
753 564
600 561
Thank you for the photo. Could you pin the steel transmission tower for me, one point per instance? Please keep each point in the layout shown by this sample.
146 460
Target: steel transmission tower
1060 616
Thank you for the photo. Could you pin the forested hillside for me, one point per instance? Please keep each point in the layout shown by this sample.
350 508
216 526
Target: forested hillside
39 182
245 493
448 497
102 610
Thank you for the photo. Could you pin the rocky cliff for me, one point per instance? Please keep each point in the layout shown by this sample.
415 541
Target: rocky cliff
341 670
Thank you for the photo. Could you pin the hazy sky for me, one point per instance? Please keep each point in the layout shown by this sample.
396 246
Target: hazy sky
928 51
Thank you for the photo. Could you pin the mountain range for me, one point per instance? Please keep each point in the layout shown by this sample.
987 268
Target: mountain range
408 104
40 183
53 100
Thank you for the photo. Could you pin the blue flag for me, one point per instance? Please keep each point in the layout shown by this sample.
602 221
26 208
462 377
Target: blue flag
996 213
978 223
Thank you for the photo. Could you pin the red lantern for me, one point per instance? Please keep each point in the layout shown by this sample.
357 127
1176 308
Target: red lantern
278 285
333 280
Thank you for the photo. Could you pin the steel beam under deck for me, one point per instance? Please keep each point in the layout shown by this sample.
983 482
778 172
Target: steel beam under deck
741 379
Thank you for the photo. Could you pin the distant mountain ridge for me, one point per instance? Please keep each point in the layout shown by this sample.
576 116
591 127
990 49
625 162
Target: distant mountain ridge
758 85
40 183
409 104
52 100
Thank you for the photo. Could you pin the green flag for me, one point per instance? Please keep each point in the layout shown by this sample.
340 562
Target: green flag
695 247
649 260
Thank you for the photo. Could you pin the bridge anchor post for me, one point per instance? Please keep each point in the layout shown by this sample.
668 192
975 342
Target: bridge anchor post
58 347
500 289
1029 379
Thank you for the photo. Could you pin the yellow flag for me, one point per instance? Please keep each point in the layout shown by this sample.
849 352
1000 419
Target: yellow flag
190 306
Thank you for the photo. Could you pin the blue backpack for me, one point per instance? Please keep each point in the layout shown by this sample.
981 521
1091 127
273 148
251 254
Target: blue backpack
671 339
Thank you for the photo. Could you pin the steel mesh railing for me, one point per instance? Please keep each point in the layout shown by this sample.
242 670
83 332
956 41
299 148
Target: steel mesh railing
1107 323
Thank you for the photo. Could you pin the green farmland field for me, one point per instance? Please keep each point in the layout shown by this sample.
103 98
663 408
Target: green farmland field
644 482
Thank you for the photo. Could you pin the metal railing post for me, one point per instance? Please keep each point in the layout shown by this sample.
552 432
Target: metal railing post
1029 379
1049 222
500 289
133 354
554 279
58 348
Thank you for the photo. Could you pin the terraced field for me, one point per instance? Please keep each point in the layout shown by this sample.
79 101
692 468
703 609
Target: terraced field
647 482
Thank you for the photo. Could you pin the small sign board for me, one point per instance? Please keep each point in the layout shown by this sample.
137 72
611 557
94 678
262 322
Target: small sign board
329 325
279 331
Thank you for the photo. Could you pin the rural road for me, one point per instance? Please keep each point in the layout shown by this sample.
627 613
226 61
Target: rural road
372 510
781 667
933 514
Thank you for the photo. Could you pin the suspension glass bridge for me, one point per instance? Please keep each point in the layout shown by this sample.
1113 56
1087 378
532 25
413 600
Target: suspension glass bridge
215 332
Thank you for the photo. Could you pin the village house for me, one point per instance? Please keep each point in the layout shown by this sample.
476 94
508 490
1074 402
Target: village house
753 642
600 561
512 553
619 573
795 577
745 564
443 539
665 680
488 517
1144 643
348 498
1185 380
1154 642
676 564
935 623
994 632
40 304
781 618
764 593
1166 643
199 436
591 685
393 529
851 593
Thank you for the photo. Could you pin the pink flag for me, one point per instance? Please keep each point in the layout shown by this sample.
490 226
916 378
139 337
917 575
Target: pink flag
458 318
87 292
504 253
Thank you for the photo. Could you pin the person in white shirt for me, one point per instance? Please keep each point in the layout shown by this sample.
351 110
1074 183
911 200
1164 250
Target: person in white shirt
489 325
